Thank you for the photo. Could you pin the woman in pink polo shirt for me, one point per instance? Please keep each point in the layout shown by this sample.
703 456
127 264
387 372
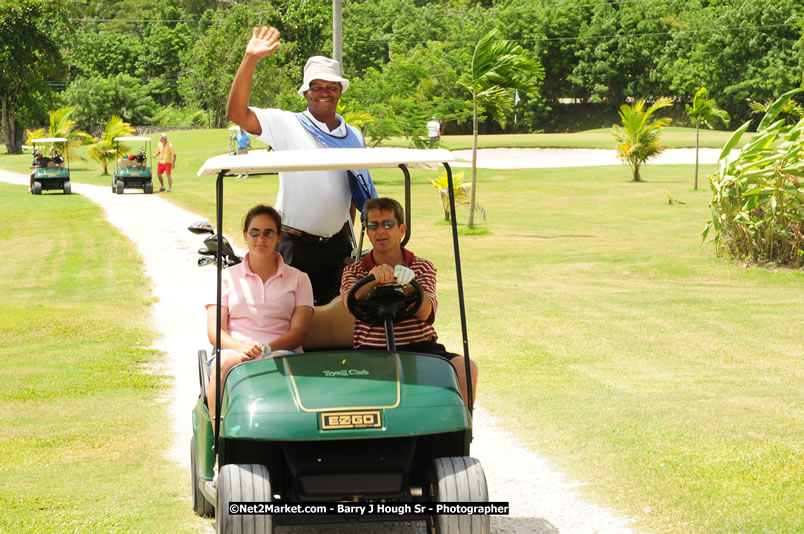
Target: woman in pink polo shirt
266 305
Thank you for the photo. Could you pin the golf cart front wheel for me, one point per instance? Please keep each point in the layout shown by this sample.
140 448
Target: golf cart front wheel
201 505
37 188
244 483
149 188
120 187
67 188
458 479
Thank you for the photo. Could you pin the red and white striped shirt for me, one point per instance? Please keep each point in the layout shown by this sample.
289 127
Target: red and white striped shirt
411 330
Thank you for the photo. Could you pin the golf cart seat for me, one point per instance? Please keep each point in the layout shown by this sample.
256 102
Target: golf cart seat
125 162
332 327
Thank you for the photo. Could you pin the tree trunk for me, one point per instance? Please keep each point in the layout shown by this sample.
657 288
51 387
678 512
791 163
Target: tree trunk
12 132
474 166
636 177
697 128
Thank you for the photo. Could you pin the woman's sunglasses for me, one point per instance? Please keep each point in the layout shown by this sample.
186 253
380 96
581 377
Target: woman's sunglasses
387 224
268 233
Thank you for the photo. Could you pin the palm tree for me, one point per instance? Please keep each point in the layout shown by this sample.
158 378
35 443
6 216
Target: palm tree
638 138
61 125
460 191
104 151
497 67
704 111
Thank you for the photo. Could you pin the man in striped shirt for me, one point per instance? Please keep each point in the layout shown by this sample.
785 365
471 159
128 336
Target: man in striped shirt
390 263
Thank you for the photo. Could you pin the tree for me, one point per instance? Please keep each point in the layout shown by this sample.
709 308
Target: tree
620 45
104 149
638 138
210 65
96 51
739 51
161 60
29 61
415 85
97 99
497 66
704 111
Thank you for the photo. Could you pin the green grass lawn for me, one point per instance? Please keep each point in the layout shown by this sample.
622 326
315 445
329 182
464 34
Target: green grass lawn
608 336
82 446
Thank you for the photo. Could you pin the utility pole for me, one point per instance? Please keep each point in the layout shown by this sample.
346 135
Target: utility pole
337 32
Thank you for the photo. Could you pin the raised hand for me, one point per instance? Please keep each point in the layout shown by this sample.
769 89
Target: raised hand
263 43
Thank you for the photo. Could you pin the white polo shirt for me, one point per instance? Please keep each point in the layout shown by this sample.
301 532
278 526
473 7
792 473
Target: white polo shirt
316 202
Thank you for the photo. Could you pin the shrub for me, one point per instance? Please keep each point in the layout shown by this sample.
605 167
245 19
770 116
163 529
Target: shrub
758 203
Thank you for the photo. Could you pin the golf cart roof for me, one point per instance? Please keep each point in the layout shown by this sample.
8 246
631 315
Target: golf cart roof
50 140
329 159
132 138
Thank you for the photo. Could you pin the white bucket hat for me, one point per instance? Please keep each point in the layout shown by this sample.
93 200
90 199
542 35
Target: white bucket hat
322 68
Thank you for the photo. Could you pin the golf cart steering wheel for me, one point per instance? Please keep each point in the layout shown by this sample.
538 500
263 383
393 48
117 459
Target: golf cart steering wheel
387 301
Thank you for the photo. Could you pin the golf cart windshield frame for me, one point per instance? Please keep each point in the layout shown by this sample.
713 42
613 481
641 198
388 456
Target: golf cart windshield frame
331 159
53 141
134 138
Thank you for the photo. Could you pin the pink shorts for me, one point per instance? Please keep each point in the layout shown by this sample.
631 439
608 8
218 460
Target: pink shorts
164 167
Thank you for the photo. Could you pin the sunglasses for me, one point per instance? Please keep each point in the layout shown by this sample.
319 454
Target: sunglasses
268 233
387 224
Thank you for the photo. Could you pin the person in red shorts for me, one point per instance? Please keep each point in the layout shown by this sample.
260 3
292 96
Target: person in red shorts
167 160
390 263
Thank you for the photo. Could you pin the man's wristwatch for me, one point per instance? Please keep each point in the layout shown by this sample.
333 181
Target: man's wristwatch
266 349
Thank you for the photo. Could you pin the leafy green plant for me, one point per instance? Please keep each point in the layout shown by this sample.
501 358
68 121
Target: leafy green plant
758 203
172 115
61 125
638 138
460 191
704 111
104 150
497 67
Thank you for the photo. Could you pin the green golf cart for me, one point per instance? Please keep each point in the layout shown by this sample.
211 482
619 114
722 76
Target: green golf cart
336 424
133 171
51 171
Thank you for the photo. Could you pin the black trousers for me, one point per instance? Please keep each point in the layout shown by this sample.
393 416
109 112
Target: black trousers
323 262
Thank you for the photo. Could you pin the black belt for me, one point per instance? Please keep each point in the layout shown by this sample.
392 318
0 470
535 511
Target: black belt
310 238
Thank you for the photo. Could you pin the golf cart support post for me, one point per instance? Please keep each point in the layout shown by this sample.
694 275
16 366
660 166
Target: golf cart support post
332 159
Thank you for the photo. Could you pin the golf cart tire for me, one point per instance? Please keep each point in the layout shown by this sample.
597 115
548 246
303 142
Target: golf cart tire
458 479
201 505
120 186
149 188
37 188
67 188
245 483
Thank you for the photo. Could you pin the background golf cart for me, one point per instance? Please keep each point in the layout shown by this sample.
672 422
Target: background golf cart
54 175
133 173
335 423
